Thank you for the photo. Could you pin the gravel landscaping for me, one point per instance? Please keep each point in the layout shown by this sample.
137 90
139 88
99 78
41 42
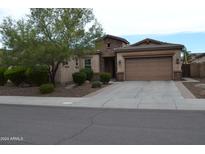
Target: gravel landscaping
60 91
197 88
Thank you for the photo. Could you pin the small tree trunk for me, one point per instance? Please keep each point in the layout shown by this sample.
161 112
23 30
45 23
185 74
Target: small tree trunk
53 78
52 72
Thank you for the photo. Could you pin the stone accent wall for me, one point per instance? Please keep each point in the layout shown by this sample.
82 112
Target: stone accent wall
101 64
177 75
120 76
108 51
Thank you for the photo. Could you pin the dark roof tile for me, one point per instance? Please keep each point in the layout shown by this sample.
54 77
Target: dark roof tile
116 38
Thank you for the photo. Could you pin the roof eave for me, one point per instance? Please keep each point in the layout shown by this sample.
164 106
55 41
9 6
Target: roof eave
116 38
148 49
201 55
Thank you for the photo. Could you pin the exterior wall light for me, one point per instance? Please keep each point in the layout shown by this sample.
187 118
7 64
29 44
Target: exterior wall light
119 62
177 61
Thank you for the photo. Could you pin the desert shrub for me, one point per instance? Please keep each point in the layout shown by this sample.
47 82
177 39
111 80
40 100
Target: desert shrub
88 72
46 88
96 84
37 75
16 75
79 77
105 77
2 77
96 77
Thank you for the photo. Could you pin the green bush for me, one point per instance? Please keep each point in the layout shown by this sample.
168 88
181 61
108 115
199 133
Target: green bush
79 77
2 77
105 77
46 88
96 77
88 72
16 75
96 84
37 75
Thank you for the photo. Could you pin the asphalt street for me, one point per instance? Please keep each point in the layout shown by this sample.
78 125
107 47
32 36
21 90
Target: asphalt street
59 125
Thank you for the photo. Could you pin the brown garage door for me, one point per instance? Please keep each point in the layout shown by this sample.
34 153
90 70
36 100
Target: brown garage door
157 68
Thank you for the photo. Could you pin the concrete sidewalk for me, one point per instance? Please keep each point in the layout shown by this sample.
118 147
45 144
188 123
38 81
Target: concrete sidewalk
169 104
125 95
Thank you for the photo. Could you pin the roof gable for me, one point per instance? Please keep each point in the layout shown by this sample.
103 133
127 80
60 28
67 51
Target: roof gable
150 45
149 41
115 38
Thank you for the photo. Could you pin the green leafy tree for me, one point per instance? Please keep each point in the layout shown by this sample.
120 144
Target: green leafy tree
50 36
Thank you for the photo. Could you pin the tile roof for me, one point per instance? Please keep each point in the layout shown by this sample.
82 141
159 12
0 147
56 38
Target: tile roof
116 38
157 45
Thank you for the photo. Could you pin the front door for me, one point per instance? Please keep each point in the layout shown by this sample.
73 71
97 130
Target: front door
109 66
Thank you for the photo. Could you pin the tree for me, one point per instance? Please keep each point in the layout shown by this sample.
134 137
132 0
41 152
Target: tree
186 56
50 36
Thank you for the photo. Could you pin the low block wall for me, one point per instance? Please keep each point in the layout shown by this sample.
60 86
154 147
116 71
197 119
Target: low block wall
197 70
202 70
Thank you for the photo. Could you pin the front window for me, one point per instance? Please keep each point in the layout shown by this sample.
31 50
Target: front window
88 63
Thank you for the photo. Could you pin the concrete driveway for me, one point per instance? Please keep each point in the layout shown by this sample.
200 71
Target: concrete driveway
142 95
143 90
127 95
137 94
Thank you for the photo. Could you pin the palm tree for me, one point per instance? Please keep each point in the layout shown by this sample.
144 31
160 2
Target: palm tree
186 56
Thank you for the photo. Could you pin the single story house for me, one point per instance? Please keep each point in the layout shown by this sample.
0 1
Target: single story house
199 58
145 60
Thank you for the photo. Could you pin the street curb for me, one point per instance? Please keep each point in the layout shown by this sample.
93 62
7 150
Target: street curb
184 91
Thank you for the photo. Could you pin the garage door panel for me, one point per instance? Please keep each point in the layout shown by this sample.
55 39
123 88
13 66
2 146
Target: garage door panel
159 68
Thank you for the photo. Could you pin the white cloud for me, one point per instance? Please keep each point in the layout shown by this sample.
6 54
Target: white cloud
153 17
15 13
128 17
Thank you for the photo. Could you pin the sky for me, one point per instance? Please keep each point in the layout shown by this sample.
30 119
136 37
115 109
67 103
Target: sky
182 23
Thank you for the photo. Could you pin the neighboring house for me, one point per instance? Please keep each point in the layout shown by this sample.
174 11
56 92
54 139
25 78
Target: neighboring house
145 60
193 56
199 58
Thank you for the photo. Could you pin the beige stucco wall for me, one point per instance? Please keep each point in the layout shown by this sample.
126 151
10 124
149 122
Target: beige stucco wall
64 72
95 62
177 67
121 66
174 53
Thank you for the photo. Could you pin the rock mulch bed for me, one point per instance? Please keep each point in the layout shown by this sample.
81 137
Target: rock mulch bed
197 88
60 91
